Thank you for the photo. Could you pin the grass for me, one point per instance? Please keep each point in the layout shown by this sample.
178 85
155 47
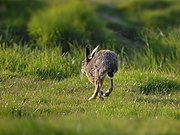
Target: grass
72 21
49 63
78 127
32 97
56 105
161 13
43 92
127 18
13 23
45 102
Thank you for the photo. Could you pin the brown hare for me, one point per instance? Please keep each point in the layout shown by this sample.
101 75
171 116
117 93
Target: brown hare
96 66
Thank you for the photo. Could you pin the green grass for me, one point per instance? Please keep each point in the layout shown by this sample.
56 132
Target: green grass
72 21
49 63
63 106
13 23
45 93
78 127
127 18
33 97
42 90
161 13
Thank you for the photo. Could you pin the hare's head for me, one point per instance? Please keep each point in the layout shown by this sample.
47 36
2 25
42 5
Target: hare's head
88 57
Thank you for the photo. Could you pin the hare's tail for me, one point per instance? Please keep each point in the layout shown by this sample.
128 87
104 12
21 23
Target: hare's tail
110 75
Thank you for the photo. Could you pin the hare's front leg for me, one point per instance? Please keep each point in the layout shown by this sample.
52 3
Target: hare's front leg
108 92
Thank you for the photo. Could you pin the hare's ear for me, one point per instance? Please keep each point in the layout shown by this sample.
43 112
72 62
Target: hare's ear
94 51
87 52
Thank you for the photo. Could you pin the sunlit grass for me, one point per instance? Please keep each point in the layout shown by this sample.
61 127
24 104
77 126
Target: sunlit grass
63 106
33 97
29 96
72 21
49 63
43 92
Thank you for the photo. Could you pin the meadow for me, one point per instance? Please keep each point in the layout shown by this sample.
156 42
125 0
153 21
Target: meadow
42 90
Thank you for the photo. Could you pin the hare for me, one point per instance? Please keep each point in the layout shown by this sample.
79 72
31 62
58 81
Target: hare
96 66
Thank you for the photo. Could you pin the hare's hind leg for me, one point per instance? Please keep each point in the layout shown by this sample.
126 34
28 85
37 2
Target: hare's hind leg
108 92
94 95
100 89
97 86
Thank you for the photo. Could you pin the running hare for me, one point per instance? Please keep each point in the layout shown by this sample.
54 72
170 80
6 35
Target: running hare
96 65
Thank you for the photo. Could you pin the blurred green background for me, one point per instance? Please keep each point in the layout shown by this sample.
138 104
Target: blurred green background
60 22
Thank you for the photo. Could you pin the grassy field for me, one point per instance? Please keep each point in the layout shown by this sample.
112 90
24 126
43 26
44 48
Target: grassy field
42 90
144 101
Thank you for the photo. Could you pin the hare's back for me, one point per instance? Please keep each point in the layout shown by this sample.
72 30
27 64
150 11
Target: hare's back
106 60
